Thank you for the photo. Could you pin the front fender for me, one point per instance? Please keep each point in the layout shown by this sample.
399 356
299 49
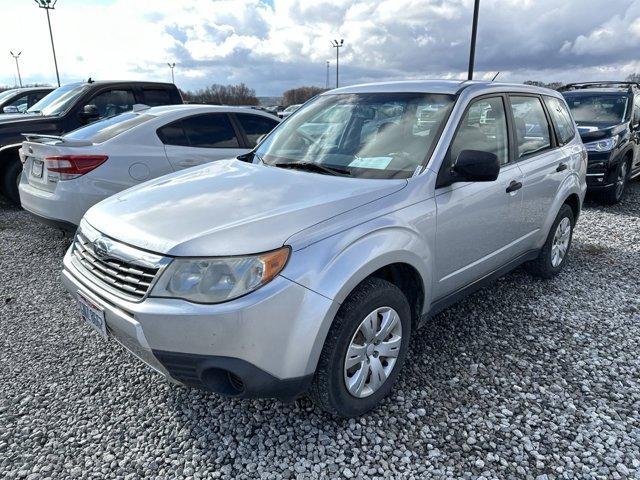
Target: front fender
334 266
7 152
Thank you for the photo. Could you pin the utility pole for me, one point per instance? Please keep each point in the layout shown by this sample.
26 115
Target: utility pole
50 5
337 45
327 82
15 57
172 66
474 32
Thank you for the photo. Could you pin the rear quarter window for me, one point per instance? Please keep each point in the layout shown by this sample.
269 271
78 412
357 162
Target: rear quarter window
106 129
562 120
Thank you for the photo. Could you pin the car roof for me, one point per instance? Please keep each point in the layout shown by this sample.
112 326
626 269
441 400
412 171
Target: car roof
119 82
28 89
450 87
190 107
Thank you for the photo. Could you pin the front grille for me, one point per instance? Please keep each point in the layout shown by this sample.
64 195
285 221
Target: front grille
124 277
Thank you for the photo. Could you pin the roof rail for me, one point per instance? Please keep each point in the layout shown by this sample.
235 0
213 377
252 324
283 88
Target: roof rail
602 84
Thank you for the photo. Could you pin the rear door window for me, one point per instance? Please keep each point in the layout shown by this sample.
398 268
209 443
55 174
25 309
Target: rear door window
255 126
561 118
211 130
532 129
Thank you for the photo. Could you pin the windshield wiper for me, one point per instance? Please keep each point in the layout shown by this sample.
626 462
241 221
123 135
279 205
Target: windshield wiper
310 166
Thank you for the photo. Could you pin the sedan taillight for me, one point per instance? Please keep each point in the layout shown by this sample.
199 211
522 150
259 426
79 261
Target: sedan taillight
73 166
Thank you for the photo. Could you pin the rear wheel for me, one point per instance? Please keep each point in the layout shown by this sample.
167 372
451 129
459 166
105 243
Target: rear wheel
554 253
364 350
11 180
614 194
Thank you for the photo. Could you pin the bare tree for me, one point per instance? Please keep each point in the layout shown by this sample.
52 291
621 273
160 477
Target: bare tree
300 95
633 77
216 94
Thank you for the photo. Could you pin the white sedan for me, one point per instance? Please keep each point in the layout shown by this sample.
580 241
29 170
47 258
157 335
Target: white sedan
64 176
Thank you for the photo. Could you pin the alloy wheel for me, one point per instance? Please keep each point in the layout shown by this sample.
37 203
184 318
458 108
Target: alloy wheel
621 180
560 243
372 352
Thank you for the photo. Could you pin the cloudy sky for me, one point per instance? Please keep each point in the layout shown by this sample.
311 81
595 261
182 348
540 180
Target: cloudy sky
272 45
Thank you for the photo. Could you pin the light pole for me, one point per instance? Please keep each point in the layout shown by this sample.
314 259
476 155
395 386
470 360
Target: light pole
172 66
50 5
327 82
337 46
15 57
474 32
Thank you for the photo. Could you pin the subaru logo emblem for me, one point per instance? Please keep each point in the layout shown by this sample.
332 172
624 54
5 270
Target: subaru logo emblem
101 248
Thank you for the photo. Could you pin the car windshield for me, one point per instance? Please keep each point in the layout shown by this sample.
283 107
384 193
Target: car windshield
598 108
59 100
6 94
365 135
106 129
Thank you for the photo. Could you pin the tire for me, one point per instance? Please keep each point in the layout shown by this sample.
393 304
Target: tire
10 180
329 389
545 265
614 194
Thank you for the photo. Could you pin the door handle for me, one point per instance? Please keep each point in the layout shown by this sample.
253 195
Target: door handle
562 167
514 186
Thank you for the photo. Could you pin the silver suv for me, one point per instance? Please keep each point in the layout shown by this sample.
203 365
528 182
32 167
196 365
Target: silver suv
307 265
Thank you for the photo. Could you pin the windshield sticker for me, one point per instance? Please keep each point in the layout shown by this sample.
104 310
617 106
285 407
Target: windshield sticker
379 163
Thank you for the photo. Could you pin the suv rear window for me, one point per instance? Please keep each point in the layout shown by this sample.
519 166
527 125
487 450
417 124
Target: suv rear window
106 129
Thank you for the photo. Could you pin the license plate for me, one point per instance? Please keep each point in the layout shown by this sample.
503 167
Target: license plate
36 168
92 314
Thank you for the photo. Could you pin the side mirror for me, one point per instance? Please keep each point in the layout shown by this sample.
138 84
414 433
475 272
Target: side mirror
476 166
10 109
89 113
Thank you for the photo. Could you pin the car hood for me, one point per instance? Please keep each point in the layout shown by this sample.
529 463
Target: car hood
229 208
598 131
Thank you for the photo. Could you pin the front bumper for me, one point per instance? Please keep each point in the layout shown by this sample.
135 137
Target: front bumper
601 170
264 344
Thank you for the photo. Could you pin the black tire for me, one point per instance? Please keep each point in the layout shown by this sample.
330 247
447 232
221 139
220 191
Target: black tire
10 179
542 266
328 389
614 194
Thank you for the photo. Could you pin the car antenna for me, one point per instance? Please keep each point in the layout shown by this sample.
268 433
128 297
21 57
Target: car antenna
90 80
495 76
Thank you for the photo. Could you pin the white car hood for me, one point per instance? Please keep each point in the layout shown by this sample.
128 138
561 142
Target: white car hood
229 208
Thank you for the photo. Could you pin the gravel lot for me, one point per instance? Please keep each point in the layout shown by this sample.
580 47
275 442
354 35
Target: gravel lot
526 379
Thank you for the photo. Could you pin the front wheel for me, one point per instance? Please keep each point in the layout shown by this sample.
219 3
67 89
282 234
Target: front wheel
614 194
364 350
554 253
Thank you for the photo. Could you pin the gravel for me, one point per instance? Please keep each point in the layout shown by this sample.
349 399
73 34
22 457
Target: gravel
526 379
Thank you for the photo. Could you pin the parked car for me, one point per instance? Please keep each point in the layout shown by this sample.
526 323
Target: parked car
19 100
288 111
65 175
608 118
309 268
67 108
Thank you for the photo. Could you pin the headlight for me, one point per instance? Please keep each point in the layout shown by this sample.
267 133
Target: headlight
604 145
216 280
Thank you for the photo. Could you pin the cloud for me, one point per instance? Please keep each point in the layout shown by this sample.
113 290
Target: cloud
272 46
